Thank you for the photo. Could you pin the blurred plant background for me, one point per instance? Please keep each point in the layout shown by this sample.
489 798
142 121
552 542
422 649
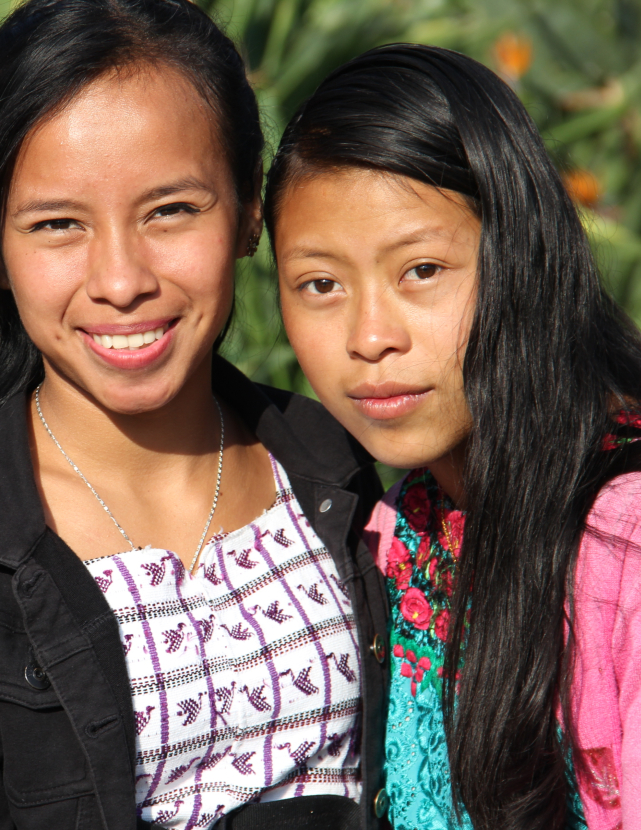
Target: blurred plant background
576 64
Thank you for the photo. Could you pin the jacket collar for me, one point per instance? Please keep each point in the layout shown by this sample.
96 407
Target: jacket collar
299 432
22 520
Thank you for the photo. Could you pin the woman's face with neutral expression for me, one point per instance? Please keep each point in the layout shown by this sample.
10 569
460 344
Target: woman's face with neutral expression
120 236
377 281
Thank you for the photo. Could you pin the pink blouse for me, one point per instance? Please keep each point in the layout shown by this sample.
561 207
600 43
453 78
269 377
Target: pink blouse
606 695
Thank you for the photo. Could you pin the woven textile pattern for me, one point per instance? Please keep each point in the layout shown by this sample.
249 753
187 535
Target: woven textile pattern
246 676
421 566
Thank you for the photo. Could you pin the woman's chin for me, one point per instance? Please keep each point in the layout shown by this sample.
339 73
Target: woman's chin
129 399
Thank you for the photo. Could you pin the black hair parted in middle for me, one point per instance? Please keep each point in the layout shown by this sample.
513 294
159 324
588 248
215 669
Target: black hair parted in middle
549 360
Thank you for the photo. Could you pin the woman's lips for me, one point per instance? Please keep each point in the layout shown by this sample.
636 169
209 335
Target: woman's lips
134 357
383 404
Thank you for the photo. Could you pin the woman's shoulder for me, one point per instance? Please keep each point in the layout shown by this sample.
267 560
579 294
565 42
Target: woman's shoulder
615 516
610 550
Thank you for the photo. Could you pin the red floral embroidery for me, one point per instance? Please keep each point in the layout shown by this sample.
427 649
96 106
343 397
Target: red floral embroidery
416 507
598 776
399 564
441 577
423 551
625 418
611 442
629 419
416 609
452 521
442 624
415 668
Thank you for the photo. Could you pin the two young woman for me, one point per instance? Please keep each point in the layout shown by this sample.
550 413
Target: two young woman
190 625
440 294
180 648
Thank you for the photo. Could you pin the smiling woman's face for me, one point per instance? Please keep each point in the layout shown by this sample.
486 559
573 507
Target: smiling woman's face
121 232
377 280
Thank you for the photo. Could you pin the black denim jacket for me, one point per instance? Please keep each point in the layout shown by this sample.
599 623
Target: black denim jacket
67 737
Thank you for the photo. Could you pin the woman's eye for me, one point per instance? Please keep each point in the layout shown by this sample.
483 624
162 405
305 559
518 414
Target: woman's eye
423 272
175 209
56 225
320 286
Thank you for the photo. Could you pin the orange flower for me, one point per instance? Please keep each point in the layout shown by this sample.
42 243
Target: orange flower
582 186
513 55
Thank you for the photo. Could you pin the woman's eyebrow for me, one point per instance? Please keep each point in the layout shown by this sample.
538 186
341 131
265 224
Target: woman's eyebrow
45 205
422 235
171 188
42 205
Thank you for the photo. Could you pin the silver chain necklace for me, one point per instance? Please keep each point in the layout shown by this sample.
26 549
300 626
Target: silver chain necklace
108 511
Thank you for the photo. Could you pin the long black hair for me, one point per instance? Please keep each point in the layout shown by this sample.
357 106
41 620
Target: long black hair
550 357
51 49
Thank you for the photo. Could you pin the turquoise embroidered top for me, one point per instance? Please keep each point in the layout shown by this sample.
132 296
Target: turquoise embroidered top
420 569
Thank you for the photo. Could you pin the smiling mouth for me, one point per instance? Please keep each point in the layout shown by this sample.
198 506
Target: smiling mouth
132 342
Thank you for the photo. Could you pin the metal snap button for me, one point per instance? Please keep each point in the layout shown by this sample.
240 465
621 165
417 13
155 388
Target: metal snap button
378 648
36 677
325 505
381 803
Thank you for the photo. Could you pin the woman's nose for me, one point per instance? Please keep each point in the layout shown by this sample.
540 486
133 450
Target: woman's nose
118 271
377 329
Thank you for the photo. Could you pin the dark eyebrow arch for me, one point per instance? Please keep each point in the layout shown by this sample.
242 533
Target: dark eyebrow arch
48 205
423 235
56 205
170 189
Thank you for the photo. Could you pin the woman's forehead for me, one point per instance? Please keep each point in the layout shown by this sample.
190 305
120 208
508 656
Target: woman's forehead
134 124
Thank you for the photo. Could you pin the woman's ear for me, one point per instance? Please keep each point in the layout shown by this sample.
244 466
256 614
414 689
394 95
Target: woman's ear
251 220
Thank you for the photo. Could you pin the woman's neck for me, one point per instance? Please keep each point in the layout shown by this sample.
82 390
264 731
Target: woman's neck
174 436
448 472
156 471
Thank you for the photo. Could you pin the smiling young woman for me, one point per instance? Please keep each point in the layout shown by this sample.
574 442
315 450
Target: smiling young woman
441 296
181 559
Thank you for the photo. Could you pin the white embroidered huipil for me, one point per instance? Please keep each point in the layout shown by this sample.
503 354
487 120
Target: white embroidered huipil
246 676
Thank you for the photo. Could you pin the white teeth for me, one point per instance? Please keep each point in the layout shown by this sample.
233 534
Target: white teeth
129 341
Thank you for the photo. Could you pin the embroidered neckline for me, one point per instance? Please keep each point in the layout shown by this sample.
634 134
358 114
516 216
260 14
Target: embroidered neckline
420 576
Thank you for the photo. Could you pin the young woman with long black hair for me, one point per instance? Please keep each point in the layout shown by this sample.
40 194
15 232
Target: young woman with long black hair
441 296
188 616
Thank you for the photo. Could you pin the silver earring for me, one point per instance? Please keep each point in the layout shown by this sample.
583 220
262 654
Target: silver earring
252 245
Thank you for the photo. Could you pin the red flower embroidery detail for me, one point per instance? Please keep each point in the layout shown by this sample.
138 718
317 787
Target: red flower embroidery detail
441 578
629 419
399 564
442 624
416 609
625 418
414 669
599 777
416 507
450 531
423 552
